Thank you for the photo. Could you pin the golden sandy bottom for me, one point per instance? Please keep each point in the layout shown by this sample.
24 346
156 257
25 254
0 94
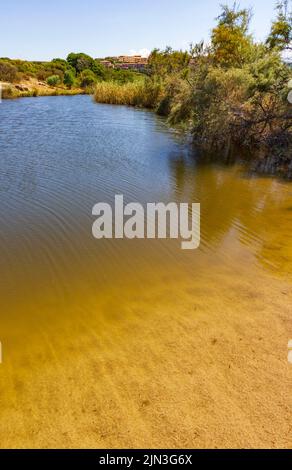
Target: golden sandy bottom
190 365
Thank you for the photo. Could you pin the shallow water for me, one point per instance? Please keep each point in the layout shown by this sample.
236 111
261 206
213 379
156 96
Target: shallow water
94 320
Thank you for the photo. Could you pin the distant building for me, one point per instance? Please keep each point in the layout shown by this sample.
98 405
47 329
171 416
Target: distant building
134 62
132 59
126 62
107 64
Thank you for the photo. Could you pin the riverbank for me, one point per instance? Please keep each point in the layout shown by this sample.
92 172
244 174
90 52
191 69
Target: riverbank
271 154
75 75
32 87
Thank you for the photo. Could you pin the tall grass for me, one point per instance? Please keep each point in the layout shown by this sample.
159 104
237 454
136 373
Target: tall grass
143 93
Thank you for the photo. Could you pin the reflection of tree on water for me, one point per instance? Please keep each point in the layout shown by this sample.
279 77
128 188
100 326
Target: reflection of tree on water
255 209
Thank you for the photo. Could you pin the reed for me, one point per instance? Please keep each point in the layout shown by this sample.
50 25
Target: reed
143 93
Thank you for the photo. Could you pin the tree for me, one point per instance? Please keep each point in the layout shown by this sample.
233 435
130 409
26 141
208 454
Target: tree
231 43
69 78
60 63
98 69
79 61
87 78
163 63
280 36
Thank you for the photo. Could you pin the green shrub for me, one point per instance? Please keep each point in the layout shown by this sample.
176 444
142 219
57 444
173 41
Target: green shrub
53 80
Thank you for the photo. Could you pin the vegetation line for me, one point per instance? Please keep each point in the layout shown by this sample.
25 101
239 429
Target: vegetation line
77 74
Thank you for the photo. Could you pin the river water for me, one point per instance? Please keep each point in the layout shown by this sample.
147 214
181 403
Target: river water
137 342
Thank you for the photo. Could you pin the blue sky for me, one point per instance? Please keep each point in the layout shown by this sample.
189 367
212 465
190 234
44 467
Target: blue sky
38 30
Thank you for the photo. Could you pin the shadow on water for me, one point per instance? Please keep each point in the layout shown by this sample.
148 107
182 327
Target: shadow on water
255 208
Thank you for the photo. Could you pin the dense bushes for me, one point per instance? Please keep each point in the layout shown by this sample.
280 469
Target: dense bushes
8 72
